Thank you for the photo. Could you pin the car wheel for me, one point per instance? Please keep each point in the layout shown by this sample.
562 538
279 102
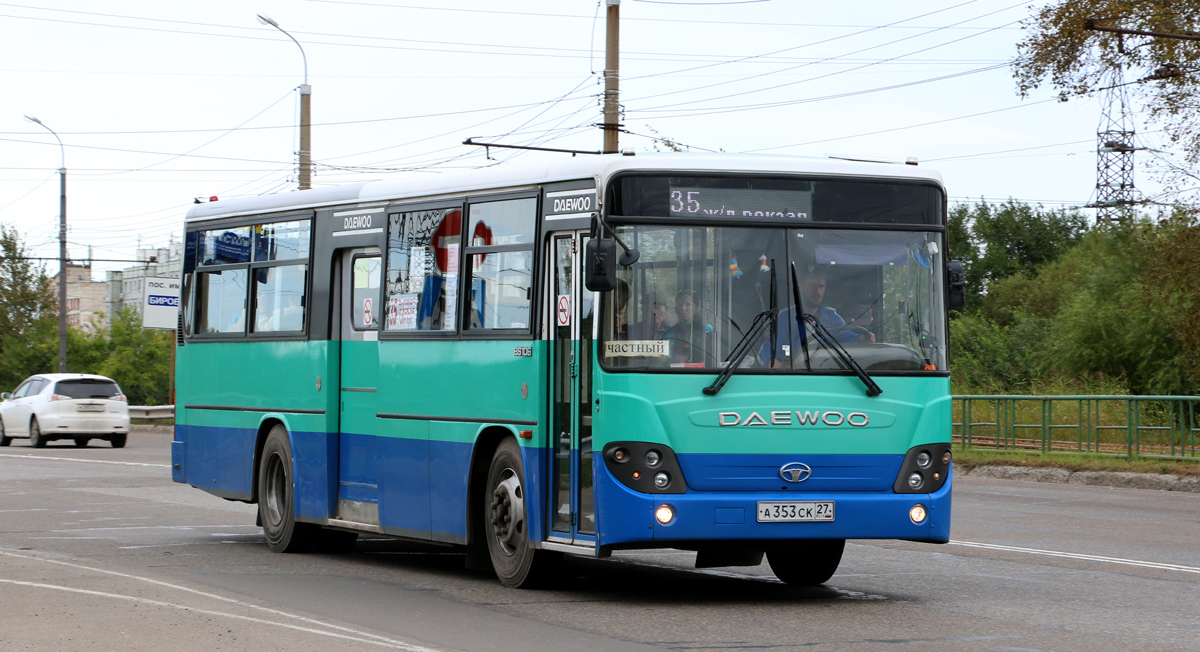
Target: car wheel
118 441
517 563
81 442
809 563
5 440
276 498
36 439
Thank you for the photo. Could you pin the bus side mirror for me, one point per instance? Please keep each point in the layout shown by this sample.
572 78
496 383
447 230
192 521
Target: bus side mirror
600 264
956 284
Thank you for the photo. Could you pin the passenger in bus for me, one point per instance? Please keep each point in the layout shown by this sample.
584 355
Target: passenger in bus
621 302
687 335
812 295
656 324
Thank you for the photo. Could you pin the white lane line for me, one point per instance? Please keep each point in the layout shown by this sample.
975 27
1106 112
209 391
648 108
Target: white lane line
73 459
248 605
373 640
1075 555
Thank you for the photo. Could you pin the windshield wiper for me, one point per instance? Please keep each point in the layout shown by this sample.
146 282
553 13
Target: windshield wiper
770 317
824 336
762 320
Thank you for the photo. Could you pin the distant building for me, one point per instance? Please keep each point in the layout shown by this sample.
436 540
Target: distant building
87 307
127 287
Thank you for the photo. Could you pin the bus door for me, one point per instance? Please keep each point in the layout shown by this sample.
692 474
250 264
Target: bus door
572 509
358 459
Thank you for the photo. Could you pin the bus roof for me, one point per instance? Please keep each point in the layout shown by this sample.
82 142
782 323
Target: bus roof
432 184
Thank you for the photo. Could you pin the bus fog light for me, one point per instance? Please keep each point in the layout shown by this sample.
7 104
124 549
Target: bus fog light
664 514
917 514
915 480
661 480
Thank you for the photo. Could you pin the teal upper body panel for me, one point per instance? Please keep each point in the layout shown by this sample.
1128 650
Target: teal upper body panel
764 414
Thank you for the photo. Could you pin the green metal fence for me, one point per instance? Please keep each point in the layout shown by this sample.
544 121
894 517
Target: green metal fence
1146 426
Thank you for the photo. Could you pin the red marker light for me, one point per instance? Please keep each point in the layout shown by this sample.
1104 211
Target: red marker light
213 198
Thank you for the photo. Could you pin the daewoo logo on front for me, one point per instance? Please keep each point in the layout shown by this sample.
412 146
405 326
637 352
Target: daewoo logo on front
794 417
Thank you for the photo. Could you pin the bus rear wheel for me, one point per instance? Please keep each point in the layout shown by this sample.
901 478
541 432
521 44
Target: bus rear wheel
276 497
808 563
516 562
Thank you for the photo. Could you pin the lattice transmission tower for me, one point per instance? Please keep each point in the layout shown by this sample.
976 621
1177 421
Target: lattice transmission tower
1115 191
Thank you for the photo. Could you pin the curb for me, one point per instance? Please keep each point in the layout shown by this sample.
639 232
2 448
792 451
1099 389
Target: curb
1118 479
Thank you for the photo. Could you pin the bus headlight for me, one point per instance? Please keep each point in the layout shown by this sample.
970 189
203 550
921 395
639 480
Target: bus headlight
650 468
924 470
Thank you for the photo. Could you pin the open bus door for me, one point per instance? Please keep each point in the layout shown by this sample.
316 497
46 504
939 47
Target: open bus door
358 459
572 508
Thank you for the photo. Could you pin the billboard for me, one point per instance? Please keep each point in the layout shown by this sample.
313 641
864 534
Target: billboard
160 307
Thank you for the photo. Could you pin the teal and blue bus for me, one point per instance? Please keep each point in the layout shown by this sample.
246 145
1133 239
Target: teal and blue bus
740 356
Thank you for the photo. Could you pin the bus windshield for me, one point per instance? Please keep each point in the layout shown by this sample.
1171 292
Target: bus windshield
696 290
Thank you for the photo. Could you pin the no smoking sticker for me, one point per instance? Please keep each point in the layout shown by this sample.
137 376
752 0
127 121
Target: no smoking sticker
563 310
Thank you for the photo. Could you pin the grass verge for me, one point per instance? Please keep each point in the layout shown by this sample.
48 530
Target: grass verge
967 459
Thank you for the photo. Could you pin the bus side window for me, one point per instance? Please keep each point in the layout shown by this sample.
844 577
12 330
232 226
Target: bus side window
500 254
421 289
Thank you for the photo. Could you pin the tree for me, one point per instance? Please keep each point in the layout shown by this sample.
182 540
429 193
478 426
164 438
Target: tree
28 317
138 358
1012 238
1171 282
1163 72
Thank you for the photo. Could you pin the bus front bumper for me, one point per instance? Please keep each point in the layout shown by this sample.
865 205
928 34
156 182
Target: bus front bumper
629 517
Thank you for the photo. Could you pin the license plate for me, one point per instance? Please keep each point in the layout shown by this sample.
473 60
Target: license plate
792 512
89 407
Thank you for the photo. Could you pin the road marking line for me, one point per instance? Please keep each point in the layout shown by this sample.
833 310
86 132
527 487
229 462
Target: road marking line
221 598
372 639
72 459
1075 555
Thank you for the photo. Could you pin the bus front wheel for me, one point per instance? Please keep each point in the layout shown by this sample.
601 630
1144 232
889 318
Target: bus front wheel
506 525
808 563
276 497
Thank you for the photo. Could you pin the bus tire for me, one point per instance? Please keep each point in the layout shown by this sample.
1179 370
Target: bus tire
808 563
516 562
35 434
277 497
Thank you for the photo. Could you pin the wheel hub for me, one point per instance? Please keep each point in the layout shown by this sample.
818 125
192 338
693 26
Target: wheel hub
508 512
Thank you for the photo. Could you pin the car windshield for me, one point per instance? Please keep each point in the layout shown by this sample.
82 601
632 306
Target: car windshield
87 388
695 291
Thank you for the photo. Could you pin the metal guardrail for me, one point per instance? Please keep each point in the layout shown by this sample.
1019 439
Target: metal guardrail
1129 426
151 411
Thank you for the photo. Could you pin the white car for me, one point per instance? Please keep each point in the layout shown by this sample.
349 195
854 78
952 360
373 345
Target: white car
65 406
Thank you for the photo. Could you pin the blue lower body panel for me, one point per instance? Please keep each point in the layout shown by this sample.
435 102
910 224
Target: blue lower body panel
626 517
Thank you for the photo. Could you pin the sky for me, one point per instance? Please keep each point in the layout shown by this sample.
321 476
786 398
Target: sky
159 102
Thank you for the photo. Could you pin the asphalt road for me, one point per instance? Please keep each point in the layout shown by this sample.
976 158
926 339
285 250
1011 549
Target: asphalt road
99 550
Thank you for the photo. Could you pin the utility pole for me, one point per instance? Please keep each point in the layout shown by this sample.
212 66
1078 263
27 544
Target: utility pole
305 110
612 64
62 248
305 143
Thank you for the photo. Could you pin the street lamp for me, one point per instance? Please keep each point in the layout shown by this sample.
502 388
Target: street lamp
305 110
62 250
